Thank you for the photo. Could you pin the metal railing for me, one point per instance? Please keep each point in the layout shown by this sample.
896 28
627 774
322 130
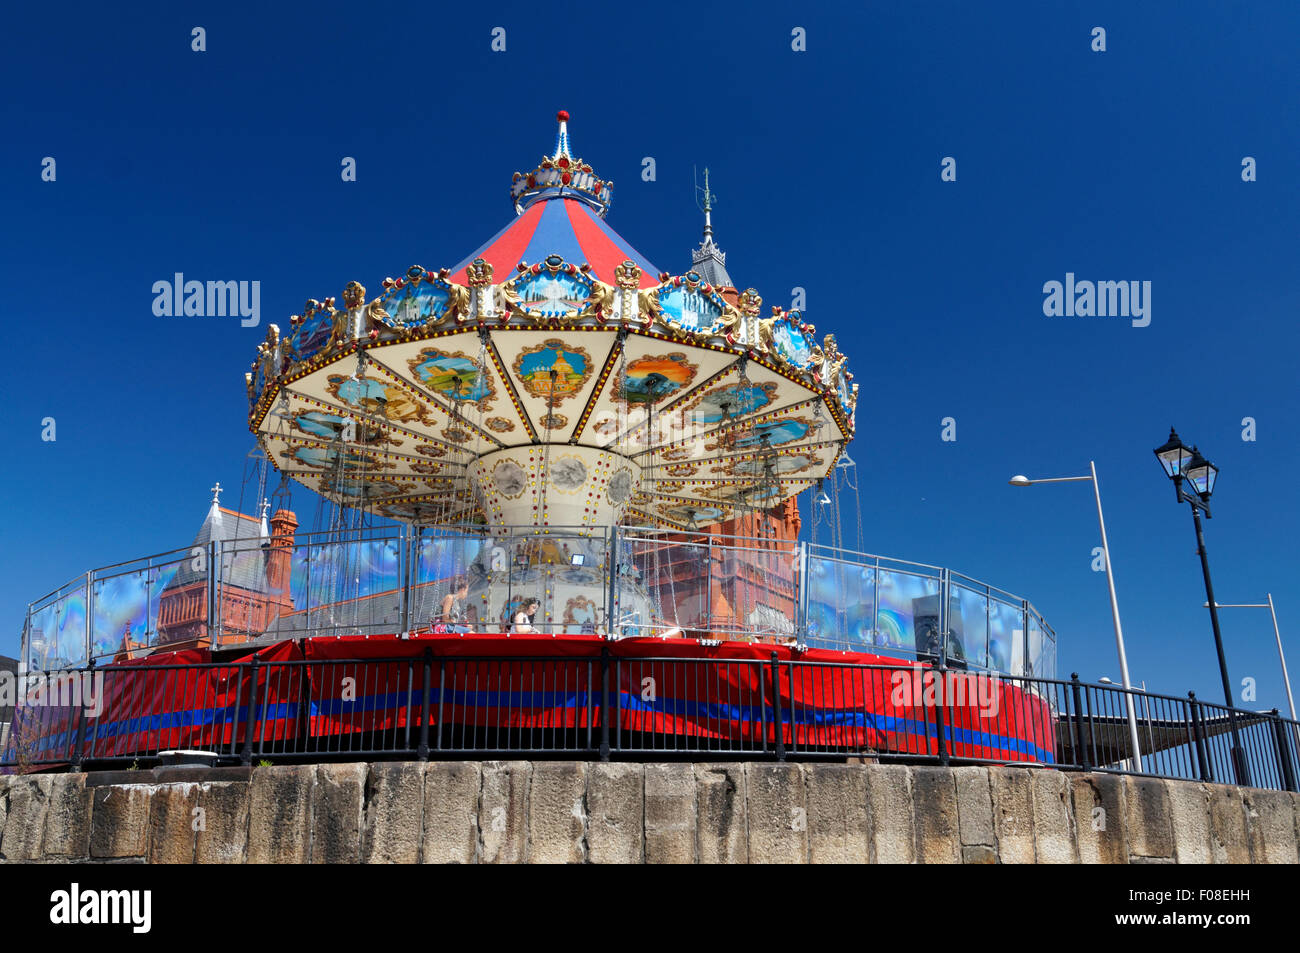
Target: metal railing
435 702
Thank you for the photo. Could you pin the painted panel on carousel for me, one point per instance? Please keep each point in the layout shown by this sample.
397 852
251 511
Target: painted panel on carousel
686 305
313 331
356 489
552 289
792 344
319 423
781 463
375 397
695 515
568 473
534 365
580 615
729 402
325 458
652 378
776 432
620 487
415 301
452 374
509 479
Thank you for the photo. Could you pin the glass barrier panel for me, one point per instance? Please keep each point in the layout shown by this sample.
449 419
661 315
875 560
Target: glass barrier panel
841 604
1035 647
57 632
1006 634
151 607
759 586
1048 659
968 625
908 613
451 581
345 588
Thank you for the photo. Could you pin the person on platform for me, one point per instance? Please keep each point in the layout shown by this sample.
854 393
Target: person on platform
452 614
523 621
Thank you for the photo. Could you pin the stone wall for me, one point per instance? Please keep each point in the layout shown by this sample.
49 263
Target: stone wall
574 812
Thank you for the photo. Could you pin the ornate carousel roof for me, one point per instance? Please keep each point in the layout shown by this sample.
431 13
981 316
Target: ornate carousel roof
560 343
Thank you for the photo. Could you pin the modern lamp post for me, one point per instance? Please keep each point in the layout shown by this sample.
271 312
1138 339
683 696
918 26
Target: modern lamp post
1281 656
1194 478
1114 603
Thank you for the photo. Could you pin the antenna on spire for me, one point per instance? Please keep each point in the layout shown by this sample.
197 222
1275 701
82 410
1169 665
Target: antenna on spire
705 206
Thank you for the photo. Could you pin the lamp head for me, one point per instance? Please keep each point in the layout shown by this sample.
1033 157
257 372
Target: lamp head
1173 455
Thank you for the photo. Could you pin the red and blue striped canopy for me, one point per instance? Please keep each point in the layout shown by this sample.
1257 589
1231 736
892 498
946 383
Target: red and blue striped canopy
562 226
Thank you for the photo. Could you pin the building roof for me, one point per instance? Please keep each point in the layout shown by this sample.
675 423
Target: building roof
244 565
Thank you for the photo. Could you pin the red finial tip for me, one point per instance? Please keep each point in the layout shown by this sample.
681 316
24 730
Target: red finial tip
562 115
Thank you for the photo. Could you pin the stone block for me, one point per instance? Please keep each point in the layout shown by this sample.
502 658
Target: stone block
1012 790
557 813
29 800
934 798
1100 818
974 807
1148 818
776 813
338 801
172 823
615 813
669 814
839 827
503 812
1229 826
119 821
979 854
720 825
67 819
280 814
222 838
889 806
1054 835
451 818
1271 817
394 813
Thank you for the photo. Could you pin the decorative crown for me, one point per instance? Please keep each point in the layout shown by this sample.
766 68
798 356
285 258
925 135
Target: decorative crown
561 175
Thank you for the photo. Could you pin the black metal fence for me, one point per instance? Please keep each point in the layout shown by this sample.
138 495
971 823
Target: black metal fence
601 705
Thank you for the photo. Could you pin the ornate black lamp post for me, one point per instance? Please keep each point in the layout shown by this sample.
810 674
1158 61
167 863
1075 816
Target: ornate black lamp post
1194 478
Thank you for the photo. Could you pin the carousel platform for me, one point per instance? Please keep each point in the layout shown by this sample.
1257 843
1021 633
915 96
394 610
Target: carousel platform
472 695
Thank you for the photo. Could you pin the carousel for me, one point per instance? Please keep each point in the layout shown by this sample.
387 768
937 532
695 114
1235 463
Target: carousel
554 382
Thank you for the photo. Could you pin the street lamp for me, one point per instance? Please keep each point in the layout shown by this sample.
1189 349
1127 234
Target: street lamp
1194 478
1114 602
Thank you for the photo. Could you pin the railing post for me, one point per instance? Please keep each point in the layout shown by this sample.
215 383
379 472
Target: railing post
604 700
1198 737
250 722
779 716
1081 750
406 581
1283 750
90 612
423 751
212 621
80 740
611 562
939 675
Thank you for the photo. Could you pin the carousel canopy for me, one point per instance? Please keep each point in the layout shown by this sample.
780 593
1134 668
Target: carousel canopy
552 378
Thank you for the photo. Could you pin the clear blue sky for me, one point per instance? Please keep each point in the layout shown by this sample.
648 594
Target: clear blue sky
1122 165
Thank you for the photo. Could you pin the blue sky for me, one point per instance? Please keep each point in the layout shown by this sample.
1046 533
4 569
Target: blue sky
1122 165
